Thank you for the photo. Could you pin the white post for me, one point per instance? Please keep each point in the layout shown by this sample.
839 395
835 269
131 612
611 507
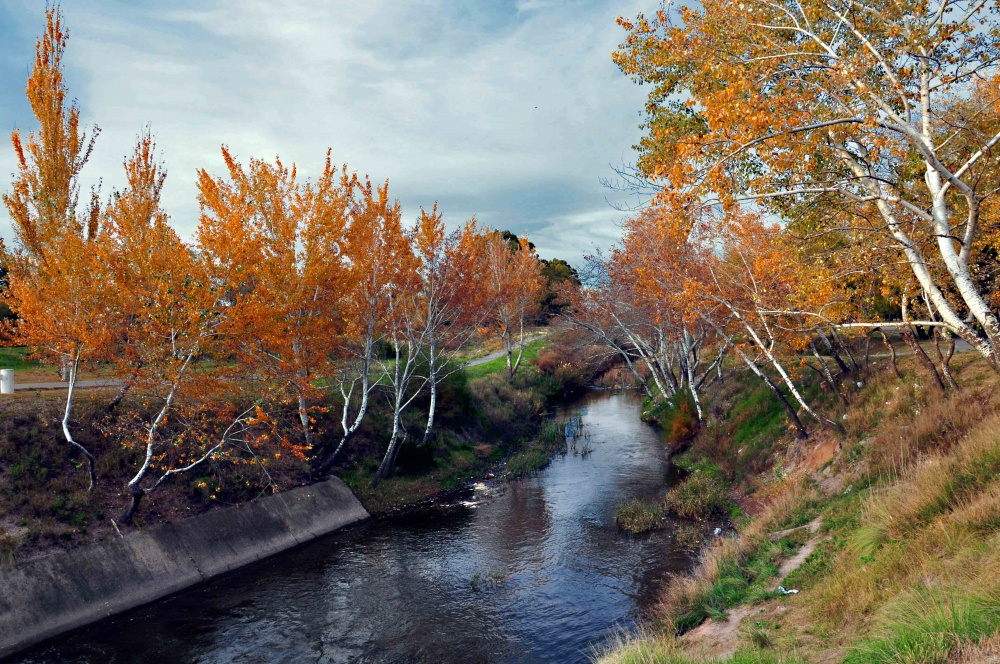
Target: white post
6 381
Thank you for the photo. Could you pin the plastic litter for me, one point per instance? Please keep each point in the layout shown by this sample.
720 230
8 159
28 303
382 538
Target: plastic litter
717 532
793 591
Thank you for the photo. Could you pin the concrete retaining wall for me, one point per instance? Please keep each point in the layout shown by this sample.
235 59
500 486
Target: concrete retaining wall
46 596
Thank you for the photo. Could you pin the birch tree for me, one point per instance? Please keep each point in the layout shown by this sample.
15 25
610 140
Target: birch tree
888 107
54 274
371 247
170 309
274 246
404 324
514 279
453 303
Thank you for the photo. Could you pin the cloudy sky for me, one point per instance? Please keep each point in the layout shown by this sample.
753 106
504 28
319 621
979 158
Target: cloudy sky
507 109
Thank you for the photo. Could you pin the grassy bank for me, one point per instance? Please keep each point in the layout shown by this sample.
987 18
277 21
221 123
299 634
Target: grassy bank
488 422
483 420
906 512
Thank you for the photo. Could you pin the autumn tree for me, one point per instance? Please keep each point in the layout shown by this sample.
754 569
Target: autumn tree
54 280
454 307
274 246
373 240
404 323
164 299
770 295
890 108
679 261
513 275
589 310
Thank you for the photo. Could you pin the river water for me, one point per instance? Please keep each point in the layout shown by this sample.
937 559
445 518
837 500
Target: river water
535 573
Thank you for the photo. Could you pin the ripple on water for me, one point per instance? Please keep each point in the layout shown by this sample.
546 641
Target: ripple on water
554 576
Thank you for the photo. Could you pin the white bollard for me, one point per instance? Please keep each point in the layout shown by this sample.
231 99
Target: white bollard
6 381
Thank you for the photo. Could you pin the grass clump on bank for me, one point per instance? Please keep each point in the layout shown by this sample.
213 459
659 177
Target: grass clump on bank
699 496
648 648
745 576
528 461
550 440
638 516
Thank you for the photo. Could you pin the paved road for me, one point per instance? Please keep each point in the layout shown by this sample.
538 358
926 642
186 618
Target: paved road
59 385
500 353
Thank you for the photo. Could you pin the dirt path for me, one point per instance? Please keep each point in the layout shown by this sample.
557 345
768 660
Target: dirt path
499 353
720 639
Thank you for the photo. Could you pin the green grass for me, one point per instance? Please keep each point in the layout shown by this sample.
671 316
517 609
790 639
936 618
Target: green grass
699 496
747 581
528 461
926 625
15 358
537 454
531 351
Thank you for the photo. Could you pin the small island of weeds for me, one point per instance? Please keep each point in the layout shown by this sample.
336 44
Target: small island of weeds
639 516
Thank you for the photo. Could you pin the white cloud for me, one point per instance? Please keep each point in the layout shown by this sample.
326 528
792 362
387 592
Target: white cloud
513 111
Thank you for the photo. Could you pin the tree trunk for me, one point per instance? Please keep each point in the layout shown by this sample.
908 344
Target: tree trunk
390 452
843 347
836 426
134 485
694 388
844 369
349 430
113 404
432 375
892 352
304 419
907 333
520 350
957 265
136 495
508 347
945 360
92 472
825 373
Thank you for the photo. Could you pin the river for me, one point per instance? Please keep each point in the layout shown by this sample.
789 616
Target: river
536 572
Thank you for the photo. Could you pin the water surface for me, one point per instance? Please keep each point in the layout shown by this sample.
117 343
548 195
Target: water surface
536 573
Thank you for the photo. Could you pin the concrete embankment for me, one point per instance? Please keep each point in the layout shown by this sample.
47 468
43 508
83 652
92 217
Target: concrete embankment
46 596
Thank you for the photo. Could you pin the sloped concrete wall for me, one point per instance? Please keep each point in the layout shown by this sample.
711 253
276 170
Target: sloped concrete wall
46 596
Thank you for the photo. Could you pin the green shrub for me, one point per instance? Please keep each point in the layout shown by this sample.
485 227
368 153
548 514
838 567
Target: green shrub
699 496
677 417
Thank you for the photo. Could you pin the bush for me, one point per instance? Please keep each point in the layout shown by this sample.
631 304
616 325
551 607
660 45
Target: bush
548 360
638 516
506 406
677 417
699 496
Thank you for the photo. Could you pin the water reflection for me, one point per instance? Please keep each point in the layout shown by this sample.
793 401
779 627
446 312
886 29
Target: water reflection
538 573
